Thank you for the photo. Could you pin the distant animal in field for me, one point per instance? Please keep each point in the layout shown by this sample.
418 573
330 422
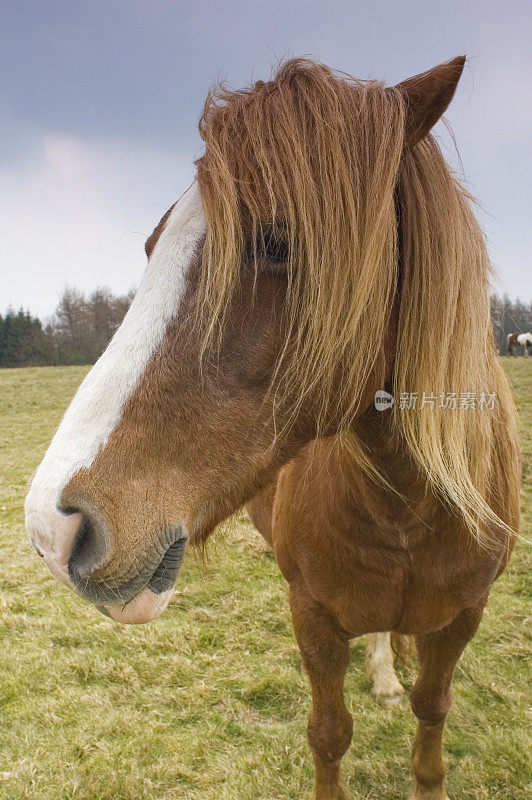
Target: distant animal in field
519 339
325 254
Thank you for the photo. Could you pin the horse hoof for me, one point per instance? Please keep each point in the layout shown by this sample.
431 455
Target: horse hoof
388 691
390 700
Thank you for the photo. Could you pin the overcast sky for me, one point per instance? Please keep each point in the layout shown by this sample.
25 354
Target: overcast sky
100 101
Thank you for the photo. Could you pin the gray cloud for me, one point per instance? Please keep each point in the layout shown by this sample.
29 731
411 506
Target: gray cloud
100 102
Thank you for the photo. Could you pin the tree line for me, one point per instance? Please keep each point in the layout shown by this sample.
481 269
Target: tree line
82 326
77 333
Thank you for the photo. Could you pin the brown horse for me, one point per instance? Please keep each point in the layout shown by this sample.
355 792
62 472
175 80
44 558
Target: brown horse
325 252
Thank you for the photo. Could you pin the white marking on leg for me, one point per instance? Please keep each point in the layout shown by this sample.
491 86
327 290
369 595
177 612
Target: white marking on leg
380 670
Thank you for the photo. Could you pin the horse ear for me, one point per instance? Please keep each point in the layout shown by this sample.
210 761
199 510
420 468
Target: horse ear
427 97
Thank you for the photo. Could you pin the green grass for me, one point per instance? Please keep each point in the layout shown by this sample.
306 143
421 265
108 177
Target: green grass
209 701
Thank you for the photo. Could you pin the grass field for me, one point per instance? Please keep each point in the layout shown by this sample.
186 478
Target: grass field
209 701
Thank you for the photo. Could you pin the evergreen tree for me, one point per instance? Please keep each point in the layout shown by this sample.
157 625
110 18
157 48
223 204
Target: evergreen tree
23 342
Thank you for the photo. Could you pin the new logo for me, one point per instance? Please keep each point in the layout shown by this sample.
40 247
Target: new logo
383 400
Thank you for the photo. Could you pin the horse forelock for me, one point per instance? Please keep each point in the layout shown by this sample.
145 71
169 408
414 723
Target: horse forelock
306 155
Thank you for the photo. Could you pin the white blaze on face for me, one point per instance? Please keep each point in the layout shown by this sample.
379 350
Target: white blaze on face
97 406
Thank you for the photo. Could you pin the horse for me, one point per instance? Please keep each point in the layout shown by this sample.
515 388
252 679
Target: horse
325 253
515 340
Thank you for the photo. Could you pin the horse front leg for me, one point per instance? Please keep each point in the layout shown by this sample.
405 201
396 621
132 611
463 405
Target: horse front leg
431 699
324 649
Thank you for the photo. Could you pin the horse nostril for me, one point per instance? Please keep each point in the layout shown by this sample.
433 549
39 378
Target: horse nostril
89 549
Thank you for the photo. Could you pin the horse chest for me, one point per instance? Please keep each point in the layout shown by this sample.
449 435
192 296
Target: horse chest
375 563
370 582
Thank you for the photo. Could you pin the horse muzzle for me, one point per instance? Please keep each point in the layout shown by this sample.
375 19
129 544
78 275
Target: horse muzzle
150 601
76 545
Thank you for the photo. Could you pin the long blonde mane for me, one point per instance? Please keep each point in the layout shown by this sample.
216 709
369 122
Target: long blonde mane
322 157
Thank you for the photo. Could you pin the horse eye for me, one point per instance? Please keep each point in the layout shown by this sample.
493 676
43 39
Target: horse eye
276 250
270 249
